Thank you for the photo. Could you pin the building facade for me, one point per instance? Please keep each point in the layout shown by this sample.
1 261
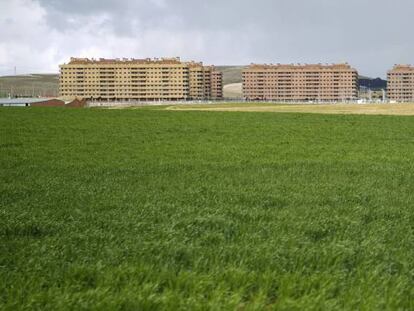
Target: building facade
337 82
400 85
139 79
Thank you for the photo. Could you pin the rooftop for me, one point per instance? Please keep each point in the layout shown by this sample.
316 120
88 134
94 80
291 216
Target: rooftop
301 66
169 61
401 67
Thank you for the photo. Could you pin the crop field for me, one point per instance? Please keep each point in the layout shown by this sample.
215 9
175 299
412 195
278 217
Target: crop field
154 209
403 109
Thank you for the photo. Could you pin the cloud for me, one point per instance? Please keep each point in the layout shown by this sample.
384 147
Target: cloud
37 35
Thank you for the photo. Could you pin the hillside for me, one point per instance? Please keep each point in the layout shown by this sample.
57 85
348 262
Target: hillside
231 74
32 85
373 84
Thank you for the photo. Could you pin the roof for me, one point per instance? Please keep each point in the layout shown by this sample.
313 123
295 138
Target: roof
318 67
22 101
83 61
402 68
130 61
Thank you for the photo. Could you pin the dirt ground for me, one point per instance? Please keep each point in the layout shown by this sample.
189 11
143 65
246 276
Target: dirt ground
233 90
371 109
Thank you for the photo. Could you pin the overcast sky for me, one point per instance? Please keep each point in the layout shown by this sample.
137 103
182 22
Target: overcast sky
371 35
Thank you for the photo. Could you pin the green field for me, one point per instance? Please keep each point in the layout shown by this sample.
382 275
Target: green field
162 210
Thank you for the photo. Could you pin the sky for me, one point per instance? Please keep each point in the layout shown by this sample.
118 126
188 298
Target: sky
371 35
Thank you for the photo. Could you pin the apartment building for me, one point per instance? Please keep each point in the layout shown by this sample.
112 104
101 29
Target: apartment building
165 79
400 85
318 82
216 84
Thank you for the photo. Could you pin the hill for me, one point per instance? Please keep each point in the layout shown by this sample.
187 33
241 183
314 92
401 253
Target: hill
231 74
373 84
32 85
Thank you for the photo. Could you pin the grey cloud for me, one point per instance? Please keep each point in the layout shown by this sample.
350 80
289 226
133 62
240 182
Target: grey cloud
123 15
371 35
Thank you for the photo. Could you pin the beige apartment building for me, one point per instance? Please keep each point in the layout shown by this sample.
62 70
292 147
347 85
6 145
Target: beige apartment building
165 79
400 85
318 82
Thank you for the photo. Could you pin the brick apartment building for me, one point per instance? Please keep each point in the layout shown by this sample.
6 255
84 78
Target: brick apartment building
164 79
400 86
318 82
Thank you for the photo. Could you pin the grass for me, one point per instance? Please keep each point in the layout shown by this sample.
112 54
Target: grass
155 210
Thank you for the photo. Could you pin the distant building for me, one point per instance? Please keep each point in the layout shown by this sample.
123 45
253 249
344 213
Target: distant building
367 94
400 85
139 79
216 84
319 82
